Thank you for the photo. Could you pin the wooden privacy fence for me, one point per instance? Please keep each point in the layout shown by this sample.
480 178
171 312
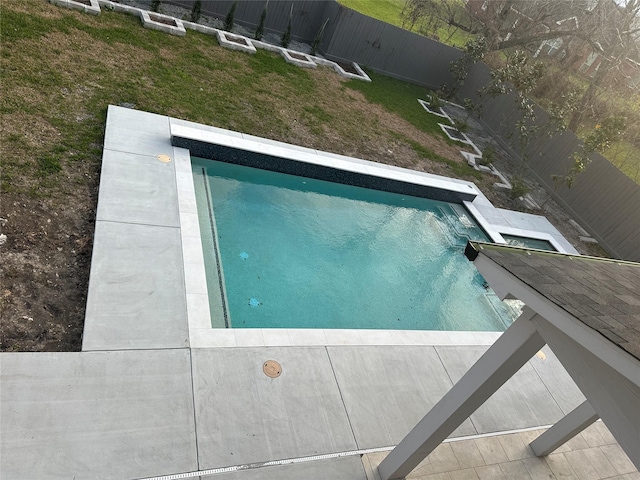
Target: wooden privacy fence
603 199
308 15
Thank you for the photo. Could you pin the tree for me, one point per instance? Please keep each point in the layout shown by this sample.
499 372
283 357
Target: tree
606 29
318 39
618 37
520 23
196 11
155 6
263 17
474 51
286 36
519 76
601 138
228 21
431 16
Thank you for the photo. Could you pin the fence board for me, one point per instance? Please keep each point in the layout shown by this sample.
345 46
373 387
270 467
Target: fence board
389 49
308 15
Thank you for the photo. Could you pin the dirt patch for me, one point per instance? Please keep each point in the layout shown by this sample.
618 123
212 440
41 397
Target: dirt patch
347 67
165 21
299 56
20 6
239 40
45 265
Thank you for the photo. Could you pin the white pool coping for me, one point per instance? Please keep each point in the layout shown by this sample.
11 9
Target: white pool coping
202 335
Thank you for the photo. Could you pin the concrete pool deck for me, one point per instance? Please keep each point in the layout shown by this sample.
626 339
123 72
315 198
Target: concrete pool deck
150 396
144 413
147 226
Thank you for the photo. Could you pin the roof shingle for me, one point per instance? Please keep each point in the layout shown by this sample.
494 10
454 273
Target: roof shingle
603 294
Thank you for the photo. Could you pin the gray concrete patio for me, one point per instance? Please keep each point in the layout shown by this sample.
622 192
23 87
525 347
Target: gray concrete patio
145 413
148 397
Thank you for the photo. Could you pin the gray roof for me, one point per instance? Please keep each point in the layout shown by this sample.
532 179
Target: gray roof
601 293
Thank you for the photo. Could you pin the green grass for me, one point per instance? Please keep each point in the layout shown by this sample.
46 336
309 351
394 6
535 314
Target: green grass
458 39
626 157
163 74
400 98
458 169
390 11
61 68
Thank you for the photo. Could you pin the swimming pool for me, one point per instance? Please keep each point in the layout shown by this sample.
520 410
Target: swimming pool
287 251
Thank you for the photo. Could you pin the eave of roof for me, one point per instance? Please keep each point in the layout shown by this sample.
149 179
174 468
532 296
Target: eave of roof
603 294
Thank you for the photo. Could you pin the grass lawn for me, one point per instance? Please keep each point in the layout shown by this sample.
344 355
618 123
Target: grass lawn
390 11
626 157
61 69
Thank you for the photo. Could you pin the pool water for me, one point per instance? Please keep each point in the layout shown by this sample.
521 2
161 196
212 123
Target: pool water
283 251
525 242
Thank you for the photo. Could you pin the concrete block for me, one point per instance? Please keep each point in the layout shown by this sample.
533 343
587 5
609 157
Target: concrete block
137 189
121 414
298 59
162 23
244 416
91 7
387 390
235 42
136 293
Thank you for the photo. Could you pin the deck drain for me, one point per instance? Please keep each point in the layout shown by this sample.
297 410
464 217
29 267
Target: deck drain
164 158
272 369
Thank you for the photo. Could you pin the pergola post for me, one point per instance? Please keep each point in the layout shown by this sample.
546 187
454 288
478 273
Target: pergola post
565 429
503 359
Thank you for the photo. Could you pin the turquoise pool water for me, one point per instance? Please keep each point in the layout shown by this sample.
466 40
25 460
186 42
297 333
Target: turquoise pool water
284 251
525 242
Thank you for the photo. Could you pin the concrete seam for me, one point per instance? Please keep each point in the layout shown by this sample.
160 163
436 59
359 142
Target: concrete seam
193 398
177 227
547 387
353 433
452 385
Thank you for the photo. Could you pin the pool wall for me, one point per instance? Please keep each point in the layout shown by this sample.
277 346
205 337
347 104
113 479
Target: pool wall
147 286
346 175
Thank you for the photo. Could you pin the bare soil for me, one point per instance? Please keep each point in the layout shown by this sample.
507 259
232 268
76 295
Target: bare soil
45 267
239 40
163 20
347 67
298 56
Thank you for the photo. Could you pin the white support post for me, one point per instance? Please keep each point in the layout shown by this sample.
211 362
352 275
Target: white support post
565 429
503 359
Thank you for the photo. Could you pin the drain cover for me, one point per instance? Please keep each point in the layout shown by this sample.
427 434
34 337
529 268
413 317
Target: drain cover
164 158
272 369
